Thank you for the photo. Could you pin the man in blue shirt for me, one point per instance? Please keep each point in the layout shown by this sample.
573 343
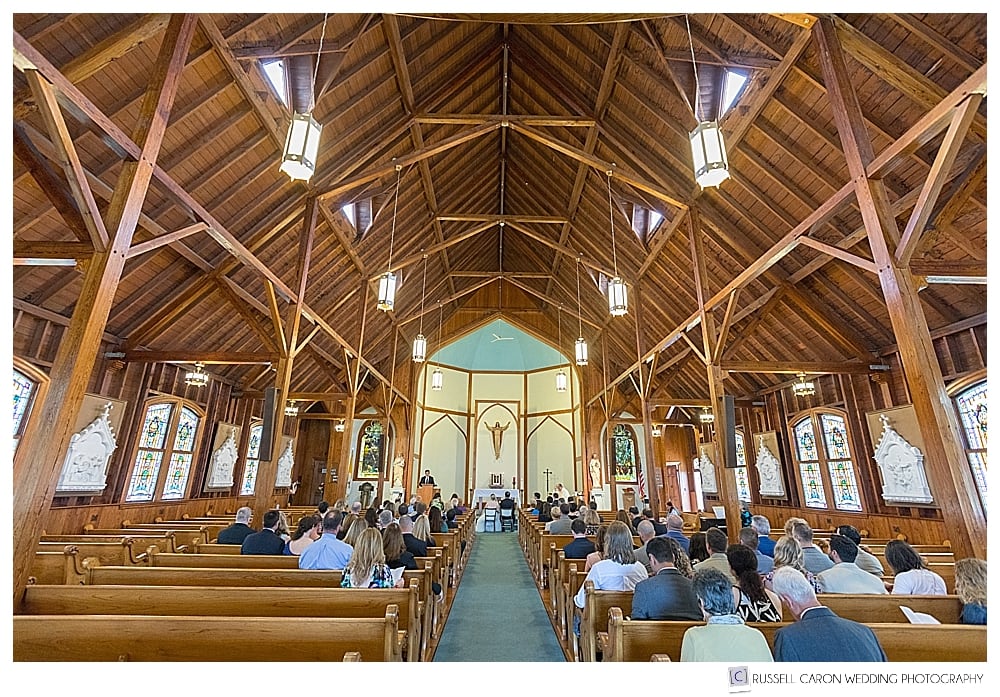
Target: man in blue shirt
327 552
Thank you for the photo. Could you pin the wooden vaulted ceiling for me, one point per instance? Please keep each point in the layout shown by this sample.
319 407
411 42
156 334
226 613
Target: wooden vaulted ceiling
511 119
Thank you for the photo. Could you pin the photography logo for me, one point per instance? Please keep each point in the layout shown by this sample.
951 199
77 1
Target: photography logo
739 679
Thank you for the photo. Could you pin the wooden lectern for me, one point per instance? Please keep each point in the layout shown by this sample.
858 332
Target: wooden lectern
426 492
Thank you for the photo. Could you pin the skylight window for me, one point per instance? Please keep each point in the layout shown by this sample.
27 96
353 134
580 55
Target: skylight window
735 84
274 70
645 221
359 215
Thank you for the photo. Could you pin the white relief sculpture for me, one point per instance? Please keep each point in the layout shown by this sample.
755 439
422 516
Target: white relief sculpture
85 468
902 467
769 468
708 484
223 464
285 462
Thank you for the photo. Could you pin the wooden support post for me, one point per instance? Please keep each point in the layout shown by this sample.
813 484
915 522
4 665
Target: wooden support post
38 459
947 468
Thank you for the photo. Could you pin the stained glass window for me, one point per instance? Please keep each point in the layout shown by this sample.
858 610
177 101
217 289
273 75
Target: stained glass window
370 453
24 389
170 435
971 404
834 458
624 444
253 460
742 479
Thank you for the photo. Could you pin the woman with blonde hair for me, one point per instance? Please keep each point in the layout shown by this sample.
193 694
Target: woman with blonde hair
787 552
422 530
970 587
354 532
790 523
367 567
592 519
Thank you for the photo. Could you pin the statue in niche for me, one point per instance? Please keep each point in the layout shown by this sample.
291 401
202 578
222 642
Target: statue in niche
285 463
397 471
596 479
497 432
770 471
223 463
708 484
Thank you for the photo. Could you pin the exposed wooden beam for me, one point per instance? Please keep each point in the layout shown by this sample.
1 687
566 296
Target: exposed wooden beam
526 119
838 253
279 327
573 254
56 318
811 367
945 267
161 240
727 322
497 219
438 247
453 297
206 357
25 249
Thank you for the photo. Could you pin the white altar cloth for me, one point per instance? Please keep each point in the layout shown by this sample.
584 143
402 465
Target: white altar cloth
484 495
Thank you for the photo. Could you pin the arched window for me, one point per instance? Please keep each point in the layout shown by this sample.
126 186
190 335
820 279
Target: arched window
25 390
971 405
249 482
169 435
742 478
825 465
623 442
370 450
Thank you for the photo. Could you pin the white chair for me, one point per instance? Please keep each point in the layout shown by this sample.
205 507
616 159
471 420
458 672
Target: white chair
490 517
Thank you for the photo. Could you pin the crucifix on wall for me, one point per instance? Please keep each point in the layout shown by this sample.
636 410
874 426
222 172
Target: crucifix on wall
548 473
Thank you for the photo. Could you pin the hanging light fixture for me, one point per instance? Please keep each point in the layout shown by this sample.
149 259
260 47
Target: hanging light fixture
197 377
708 151
298 160
803 387
437 377
617 291
339 426
387 281
657 431
420 343
561 381
291 408
706 416
581 343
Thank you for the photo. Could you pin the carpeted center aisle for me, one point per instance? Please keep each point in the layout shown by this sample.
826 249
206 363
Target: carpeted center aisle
497 614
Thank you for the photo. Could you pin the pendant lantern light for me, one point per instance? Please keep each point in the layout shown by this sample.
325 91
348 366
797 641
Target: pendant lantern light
437 377
298 160
197 377
291 408
708 150
617 290
561 381
803 387
581 343
420 343
387 281
706 416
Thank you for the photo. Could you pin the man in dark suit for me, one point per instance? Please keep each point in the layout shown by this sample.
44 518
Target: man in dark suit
748 537
417 548
580 547
667 594
765 545
427 479
817 633
658 527
267 541
238 531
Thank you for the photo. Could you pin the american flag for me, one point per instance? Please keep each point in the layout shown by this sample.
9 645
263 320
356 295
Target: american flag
642 484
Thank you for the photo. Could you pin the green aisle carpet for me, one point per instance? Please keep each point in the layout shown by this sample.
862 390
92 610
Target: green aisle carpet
497 614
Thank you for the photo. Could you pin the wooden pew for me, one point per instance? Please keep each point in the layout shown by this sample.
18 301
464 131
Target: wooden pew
119 553
885 608
171 638
216 548
184 538
638 640
223 601
66 566
594 617
166 541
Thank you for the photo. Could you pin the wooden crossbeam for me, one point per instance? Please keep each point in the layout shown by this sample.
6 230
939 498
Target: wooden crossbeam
162 240
811 367
206 357
27 253
838 253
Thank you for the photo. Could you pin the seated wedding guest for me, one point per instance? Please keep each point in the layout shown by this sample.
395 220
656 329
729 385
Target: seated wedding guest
457 504
450 520
349 519
435 520
912 577
422 530
238 531
545 512
658 527
698 548
763 527
592 519
624 517
675 531
283 532
560 525
717 543
536 506
817 633
634 517
748 536
580 546
306 532
371 517
598 552
646 533
267 541
970 587
822 545
788 553
666 594
327 552
395 549
682 562
321 508
845 576
436 501
790 523
617 571
367 567
866 561
812 557
385 519
754 603
358 526
724 637
417 548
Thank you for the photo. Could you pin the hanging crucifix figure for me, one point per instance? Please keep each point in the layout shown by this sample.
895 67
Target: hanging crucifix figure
497 433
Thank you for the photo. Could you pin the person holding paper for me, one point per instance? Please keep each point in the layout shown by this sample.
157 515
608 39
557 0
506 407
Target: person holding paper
367 567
